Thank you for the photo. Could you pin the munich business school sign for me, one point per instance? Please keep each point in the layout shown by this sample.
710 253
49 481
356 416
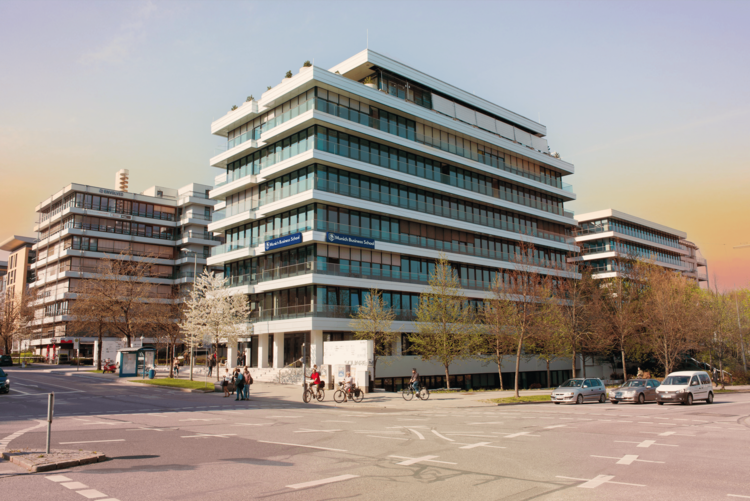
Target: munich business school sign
331 238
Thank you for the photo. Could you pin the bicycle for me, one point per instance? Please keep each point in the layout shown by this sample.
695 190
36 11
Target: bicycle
319 394
408 393
355 394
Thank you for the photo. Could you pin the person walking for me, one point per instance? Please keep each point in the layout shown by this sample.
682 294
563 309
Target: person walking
176 367
225 383
211 363
248 380
240 382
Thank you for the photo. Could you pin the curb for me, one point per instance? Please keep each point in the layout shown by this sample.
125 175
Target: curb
522 403
59 465
185 390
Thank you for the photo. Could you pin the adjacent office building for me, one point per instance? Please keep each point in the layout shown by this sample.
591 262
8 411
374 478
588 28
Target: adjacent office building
609 237
16 275
357 177
80 225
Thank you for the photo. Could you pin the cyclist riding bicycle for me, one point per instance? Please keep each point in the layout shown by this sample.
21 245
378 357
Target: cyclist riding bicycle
348 384
315 376
414 381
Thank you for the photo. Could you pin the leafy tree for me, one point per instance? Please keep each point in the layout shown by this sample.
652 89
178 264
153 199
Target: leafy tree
446 322
16 319
374 320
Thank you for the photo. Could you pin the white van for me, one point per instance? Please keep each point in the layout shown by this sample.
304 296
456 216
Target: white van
685 387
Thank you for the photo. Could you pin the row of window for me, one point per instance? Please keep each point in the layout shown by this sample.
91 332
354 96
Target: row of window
631 250
110 225
360 223
116 247
633 230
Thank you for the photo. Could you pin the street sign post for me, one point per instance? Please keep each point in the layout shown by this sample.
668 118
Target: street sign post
50 411
77 346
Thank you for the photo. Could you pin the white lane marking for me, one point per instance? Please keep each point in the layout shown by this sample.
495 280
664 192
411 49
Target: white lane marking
441 436
645 444
156 415
91 494
471 435
628 459
32 385
249 424
150 429
75 485
199 419
738 496
306 446
668 433
411 461
324 481
421 437
597 481
92 441
411 419
204 435
481 444
520 434
58 478
334 421
285 417
555 426
392 438
491 422
305 430
70 390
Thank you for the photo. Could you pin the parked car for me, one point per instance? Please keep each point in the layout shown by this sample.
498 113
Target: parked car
579 390
4 382
685 387
6 360
638 391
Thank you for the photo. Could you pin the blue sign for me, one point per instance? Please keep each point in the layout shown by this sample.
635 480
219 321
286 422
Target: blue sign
277 243
338 238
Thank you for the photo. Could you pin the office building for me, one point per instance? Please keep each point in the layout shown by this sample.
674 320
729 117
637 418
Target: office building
609 237
356 177
81 224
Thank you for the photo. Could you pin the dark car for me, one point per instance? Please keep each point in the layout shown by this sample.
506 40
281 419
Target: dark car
5 360
4 382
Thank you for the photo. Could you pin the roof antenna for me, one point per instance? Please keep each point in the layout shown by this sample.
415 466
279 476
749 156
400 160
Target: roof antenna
368 38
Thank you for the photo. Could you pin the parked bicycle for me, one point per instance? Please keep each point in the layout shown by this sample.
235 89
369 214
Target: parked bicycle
355 394
408 393
311 393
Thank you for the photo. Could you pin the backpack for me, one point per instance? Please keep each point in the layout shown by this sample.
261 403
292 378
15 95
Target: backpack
250 379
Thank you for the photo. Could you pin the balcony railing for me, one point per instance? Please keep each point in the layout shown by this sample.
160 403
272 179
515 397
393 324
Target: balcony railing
318 311
163 216
95 247
579 232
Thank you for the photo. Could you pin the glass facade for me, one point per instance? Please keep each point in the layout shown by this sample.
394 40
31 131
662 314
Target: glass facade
630 250
630 229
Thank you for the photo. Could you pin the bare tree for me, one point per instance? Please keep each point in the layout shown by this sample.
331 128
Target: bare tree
90 312
15 317
213 315
374 320
166 325
446 322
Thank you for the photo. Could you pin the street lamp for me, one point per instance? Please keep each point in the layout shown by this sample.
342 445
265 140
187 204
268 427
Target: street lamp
195 271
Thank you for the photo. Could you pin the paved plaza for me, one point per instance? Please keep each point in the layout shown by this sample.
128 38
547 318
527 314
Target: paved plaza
168 444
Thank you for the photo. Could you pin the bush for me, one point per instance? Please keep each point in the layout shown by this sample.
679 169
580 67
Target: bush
615 376
306 64
249 98
288 74
234 107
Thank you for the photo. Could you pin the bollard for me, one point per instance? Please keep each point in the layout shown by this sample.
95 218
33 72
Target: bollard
50 410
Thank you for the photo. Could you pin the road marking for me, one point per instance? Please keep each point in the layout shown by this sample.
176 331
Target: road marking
58 478
421 437
75 485
668 433
285 417
441 436
645 444
491 422
392 438
250 424
411 461
93 441
480 444
324 481
91 494
306 446
203 435
151 429
305 430
520 434
471 435
738 496
198 419
627 459
334 421
598 480
555 426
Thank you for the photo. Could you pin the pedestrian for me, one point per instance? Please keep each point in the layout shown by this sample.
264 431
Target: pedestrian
225 383
176 367
211 362
248 381
240 385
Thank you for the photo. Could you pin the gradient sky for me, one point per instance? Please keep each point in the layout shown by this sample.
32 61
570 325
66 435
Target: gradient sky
649 100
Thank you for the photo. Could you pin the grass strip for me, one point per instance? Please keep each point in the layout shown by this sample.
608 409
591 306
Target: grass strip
514 400
176 383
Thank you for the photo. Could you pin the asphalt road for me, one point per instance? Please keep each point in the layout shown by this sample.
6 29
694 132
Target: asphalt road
166 444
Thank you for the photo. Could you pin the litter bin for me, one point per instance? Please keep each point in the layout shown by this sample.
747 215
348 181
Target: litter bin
151 373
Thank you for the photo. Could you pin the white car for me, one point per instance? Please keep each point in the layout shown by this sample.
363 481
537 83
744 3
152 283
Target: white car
685 387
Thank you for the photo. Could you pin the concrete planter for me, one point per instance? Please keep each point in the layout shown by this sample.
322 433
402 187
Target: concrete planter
371 85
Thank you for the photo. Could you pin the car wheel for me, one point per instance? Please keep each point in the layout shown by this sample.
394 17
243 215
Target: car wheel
579 400
602 398
689 399
556 403
710 398
641 398
660 403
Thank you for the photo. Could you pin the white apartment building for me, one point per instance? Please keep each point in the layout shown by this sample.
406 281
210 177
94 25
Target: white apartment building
81 224
357 177
607 237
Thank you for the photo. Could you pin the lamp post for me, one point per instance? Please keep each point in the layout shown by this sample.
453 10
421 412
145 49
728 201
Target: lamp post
195 271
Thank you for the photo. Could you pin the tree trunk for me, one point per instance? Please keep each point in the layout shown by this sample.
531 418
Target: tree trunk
549 378
583 364
216 351
447 378
624 371
518 362
499 359
574 362
99 350
170 350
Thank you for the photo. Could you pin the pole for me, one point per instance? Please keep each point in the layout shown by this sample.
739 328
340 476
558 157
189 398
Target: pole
50 409
195 268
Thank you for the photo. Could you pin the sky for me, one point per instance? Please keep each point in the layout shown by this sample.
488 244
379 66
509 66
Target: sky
649 100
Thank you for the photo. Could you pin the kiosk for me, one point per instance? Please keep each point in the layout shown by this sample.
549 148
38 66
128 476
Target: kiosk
133 361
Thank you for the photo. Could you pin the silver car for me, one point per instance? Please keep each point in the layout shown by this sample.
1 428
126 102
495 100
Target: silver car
580 390
638 391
